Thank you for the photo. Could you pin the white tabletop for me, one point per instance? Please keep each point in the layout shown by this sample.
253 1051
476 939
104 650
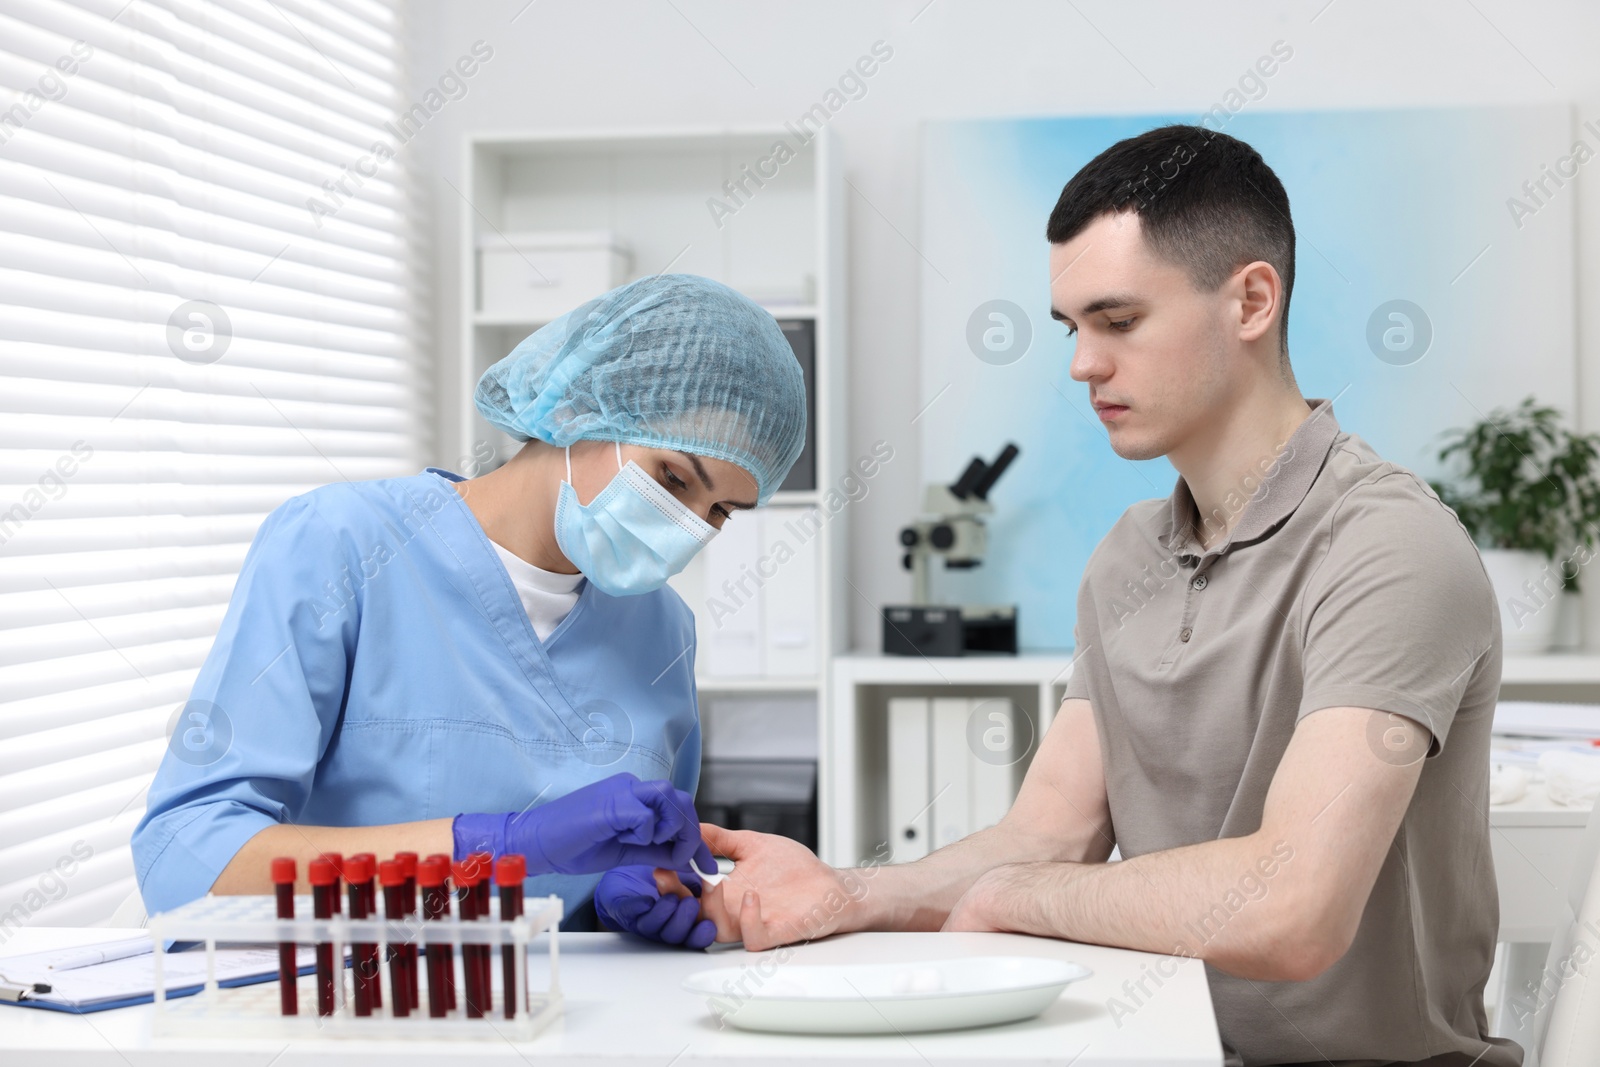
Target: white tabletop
624 1006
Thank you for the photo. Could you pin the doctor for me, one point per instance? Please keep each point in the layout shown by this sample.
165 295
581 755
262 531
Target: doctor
437 664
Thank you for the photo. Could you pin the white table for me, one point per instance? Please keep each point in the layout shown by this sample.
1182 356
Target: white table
1534 842
624 1006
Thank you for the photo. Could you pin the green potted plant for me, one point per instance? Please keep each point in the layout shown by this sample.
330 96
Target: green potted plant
1528 491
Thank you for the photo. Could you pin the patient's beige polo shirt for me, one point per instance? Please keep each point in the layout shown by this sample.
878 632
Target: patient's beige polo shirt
1345 582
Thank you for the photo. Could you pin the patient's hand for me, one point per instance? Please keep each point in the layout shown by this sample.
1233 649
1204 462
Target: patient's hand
779 891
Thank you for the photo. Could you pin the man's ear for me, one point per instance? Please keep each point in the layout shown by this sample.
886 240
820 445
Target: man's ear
1259 291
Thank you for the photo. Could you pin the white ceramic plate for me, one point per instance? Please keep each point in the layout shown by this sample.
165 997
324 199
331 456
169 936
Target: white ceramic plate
885 998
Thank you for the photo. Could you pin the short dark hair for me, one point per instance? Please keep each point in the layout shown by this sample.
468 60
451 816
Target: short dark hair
1206 202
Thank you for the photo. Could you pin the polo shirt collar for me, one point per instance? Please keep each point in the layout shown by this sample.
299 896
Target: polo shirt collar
1279 494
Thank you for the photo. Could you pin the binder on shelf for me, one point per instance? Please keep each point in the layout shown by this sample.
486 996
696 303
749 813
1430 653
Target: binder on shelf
910 810
788 553
951 771
731 637
993 754
802 337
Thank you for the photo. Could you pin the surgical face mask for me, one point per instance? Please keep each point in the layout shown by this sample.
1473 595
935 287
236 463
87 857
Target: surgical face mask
633 536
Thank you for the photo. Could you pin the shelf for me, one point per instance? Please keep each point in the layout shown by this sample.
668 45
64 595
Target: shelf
870 668
757 685
1552 668
531 324
1034 668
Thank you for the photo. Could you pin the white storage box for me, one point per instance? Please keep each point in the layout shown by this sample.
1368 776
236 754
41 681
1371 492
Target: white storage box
536 276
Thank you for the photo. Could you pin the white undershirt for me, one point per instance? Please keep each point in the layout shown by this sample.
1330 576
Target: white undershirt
546 595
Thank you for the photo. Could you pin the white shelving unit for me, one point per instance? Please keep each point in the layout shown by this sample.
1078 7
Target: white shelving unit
852 788
656 191
853 793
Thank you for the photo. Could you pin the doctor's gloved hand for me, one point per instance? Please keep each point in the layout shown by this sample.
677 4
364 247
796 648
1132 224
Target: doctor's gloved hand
634 900
617 822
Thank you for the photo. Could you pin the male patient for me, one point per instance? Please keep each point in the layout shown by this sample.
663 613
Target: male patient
1284 681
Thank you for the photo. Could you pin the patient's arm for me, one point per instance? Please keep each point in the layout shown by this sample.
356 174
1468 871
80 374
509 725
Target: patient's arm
1330 816
780 892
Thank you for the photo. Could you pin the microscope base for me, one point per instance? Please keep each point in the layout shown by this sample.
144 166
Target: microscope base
938 630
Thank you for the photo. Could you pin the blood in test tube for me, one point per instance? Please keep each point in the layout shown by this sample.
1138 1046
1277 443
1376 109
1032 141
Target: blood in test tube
369 892
283 875
363 954
337 859
465 874
432 875
394 896
407 863
324 891
450 971
509 871
483 873
408 908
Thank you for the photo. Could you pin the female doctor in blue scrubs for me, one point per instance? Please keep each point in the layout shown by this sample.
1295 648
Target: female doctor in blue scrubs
435 664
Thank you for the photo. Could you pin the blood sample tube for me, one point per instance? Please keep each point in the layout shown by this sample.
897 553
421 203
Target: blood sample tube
483 874
283 874
509 871
369 891
431 878
324 890
465 875
363 954
450 971
394 891
408 908
407 862
337 859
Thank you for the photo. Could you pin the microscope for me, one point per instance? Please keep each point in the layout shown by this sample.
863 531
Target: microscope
952 529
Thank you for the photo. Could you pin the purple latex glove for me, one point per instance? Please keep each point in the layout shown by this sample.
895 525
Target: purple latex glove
627 899
617 822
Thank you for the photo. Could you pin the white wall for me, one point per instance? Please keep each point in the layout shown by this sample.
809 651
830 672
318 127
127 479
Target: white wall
573 65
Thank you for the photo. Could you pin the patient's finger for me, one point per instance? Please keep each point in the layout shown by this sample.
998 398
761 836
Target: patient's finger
668 884
715 904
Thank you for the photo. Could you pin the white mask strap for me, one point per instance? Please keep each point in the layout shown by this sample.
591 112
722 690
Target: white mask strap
619 454
569 464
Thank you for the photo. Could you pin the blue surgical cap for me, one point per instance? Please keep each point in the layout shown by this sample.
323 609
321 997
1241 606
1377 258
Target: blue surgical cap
672 361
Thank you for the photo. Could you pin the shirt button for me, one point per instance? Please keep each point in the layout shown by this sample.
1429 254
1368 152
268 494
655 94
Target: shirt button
1183 634
1200 582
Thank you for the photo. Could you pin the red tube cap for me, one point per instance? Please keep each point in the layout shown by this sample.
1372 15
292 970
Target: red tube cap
337 859
283 870
389 874
480 865
372 861
321 871
510 869
465 873
407 862
358 869
432 872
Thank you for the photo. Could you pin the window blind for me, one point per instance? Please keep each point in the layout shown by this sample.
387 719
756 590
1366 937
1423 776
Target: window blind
208 304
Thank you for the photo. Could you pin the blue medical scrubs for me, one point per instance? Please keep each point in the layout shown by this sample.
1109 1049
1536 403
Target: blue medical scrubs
375 666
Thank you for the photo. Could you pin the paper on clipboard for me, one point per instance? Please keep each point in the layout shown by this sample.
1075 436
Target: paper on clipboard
131 979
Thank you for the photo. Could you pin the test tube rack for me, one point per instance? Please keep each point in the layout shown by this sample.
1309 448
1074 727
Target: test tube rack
253 1010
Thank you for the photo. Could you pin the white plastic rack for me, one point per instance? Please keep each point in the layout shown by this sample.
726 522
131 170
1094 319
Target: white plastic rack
254 1010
